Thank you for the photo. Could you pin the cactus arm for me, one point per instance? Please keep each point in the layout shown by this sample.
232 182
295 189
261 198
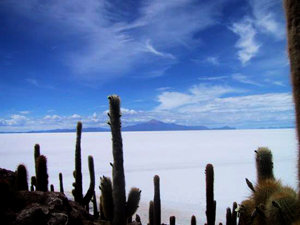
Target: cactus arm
87 198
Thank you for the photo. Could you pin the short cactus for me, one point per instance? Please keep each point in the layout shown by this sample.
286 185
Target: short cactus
264 164
61 184
33 183
42 175
151 213
193 220
52 188
172 220
133 200
106 201
21 178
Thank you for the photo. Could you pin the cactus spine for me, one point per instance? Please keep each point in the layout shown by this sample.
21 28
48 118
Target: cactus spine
210 202
77 191
119 193
21 178
42 175
156 202
61 184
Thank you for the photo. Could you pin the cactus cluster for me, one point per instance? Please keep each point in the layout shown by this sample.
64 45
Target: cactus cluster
270 203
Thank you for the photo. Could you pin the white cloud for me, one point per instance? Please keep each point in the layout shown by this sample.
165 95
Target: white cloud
266 18
105 37
247 45
151 49
197 94
212 78
25 112
14 120
244 79
213 60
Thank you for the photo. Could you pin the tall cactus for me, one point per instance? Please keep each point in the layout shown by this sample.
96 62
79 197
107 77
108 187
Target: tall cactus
264 164
119 193
61 184
210 202
21 178
156 201
292 9
77 191
42 175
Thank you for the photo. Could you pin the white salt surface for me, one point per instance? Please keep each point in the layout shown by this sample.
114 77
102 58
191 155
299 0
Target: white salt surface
178 157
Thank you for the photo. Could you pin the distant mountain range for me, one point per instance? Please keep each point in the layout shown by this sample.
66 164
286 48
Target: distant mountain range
152 125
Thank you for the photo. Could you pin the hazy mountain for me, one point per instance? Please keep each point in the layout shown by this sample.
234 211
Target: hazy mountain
152 125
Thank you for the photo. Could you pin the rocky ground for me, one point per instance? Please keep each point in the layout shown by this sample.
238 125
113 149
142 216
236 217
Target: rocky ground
36 207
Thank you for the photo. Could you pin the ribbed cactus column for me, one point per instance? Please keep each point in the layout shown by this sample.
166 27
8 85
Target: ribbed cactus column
36 155
61 184
119 193
21 178
42 174
77 191
264 164
292 9
156 202
210 202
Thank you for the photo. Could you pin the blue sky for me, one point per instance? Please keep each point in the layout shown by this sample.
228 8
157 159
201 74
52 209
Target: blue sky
192 62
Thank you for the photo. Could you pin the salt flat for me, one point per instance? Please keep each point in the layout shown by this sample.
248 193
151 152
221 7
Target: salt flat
178 157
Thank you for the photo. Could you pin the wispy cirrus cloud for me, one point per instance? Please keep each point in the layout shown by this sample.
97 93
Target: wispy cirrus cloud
262 19
99 35
244 79
247 44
